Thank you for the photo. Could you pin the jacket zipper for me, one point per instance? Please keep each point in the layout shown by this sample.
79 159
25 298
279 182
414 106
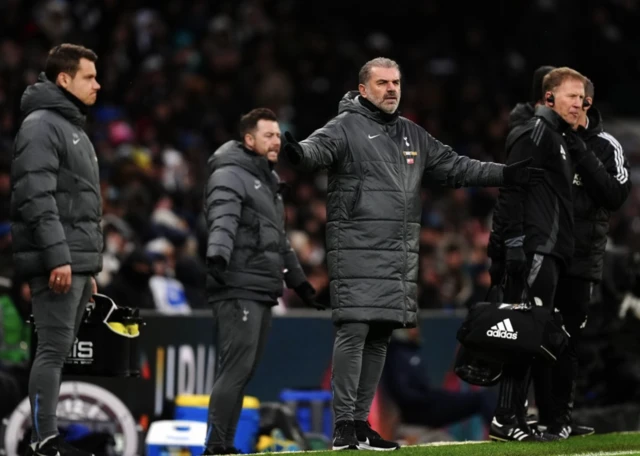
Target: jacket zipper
404 237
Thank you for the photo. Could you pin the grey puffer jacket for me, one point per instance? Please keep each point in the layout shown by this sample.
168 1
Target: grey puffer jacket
245 218
56 206
376 163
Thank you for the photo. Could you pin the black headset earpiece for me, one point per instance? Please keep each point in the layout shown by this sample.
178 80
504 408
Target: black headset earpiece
585 104
551 99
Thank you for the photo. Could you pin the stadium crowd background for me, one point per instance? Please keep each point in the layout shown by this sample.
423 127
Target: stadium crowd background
177 75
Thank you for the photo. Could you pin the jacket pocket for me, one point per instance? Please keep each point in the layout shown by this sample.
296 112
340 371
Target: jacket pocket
356 197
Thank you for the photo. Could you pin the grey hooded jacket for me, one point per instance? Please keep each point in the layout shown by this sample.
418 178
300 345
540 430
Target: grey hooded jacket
245 219
56 205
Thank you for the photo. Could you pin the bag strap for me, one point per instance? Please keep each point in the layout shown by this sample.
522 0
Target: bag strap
498 296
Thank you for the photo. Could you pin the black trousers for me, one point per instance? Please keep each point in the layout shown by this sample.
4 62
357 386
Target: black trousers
242 328
542 281
555 385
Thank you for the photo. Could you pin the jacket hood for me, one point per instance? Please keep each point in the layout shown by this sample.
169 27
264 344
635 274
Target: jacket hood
351 102
552 118
44 94
595 123
232 153
521 114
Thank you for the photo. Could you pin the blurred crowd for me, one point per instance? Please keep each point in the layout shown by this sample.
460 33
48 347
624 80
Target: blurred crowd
176 76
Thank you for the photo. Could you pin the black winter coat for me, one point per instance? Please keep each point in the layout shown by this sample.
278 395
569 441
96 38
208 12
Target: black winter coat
539 218
601 184
375 164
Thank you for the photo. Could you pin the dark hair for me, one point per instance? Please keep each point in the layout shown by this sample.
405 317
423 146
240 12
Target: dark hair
382 62
65 58
555 78
249 121
536 85
589 89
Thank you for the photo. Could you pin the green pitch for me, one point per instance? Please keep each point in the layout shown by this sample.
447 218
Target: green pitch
618 444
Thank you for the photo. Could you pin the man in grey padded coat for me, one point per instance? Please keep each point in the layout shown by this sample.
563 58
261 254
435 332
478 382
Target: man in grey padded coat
56 210
376 160
249 257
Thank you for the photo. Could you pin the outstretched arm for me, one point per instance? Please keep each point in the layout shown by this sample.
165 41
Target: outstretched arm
320 150
453 170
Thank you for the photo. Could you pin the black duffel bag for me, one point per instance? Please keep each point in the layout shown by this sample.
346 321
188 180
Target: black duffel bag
505 333
107 343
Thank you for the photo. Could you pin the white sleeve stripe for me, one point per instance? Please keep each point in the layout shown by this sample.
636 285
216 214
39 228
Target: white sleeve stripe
622 175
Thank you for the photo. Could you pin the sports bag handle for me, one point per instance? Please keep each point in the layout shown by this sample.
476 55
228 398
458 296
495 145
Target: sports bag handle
495 294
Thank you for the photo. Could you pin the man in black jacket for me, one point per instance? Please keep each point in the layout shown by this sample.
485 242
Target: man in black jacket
248 257
519 115
376 161
536 228
55 212
601 184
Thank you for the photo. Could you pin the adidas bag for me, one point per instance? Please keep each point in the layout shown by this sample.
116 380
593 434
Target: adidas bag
513 332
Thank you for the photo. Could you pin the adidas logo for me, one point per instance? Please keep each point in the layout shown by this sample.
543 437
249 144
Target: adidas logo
503 330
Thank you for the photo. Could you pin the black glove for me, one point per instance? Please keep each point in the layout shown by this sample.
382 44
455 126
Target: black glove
292 149
496 271
519 173
516 262
217 266
307 294
577 147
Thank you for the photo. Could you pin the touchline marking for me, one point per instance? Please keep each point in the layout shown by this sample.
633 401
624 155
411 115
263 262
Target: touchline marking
602 453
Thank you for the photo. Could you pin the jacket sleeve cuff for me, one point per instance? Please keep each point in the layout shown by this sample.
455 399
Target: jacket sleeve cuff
589 162
218 251
56 255
294 278
514 242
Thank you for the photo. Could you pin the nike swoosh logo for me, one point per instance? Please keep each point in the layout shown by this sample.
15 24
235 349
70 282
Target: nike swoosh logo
375 136
76 141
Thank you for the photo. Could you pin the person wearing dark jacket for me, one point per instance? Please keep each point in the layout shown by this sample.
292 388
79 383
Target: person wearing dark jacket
535 228
56 210
248 259
518 116
376 160
406 381
601 184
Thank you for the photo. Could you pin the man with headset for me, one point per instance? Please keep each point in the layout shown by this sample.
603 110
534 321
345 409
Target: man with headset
535 226
601 184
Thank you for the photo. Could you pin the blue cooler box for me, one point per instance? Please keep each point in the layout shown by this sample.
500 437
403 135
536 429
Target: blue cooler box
175 438
195 407
312 409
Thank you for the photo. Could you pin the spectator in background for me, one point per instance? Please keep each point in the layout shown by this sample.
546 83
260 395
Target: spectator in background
169 295
456 284
129 287
118 243
159 62
406 381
